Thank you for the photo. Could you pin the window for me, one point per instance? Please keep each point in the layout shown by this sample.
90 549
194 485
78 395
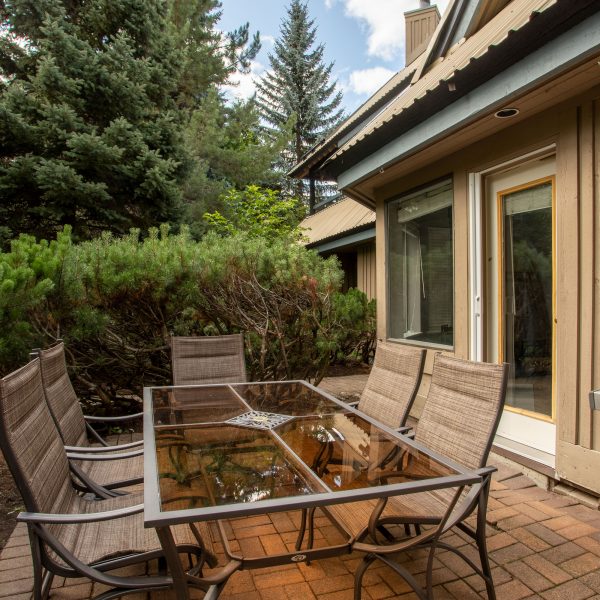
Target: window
420 266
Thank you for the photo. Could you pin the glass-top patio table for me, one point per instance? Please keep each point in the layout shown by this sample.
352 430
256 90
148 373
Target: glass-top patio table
219 451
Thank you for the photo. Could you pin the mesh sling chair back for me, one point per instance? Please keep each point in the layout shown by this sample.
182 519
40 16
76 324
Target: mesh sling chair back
71 536
208 359
110 466
393 383
459 421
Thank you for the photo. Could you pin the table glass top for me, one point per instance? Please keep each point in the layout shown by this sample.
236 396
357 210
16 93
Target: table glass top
232 444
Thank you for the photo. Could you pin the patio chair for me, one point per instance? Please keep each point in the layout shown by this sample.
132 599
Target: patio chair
110 466
208 359
459 421
393 383
72 536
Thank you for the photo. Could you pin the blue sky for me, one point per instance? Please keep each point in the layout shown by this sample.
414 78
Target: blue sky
364 38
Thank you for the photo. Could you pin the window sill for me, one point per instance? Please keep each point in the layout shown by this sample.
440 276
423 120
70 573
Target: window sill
420 344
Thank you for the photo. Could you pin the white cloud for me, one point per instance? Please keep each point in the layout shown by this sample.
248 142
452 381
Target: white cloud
241 85
383 21
366 82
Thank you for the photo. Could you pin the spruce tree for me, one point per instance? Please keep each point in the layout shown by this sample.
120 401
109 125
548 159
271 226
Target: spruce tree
298 88
89 131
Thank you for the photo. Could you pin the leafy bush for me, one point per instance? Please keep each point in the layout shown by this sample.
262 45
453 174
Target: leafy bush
258 212
116 301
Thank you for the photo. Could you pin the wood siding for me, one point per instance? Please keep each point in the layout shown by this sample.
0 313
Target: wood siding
574 128
367 270
578 294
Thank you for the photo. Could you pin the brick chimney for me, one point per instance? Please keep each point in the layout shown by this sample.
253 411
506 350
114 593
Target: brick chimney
420 25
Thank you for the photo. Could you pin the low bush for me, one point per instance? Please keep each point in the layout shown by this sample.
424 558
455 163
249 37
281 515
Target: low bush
116 301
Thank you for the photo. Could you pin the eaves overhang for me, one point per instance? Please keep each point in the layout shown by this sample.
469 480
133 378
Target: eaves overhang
360 235
315 157
518 46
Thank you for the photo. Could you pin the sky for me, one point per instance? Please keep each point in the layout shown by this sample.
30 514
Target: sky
364 39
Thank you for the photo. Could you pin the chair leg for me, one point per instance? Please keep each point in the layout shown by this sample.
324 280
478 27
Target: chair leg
481 541
311 530
429 572
42 579
367 561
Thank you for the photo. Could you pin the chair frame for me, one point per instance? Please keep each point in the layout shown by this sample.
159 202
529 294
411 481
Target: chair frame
45 568
89 419
457 512
104 452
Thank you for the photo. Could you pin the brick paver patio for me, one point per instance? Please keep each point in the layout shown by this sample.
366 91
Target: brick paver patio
541 545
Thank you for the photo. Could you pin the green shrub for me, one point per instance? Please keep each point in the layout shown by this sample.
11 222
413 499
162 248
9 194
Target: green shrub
116 301
355 321
29 273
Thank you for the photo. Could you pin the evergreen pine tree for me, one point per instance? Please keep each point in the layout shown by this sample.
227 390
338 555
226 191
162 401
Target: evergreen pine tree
228 147
298 87
210 56
230 152
89 131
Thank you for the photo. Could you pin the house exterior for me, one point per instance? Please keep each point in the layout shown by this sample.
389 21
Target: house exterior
481 159
346 229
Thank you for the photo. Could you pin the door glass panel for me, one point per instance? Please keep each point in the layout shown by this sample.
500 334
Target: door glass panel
526 296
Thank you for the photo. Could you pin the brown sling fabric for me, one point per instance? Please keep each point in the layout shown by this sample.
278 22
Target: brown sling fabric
61 396
36 457
66 410
462 410
393 383
208 359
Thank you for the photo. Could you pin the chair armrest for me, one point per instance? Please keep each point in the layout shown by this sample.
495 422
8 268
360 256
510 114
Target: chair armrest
115 456
93 449
407 431
90 419
486 471
56 518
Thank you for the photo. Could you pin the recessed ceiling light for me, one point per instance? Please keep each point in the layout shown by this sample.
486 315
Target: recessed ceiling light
506 113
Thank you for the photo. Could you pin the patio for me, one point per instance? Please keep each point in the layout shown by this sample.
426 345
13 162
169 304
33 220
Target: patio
541 544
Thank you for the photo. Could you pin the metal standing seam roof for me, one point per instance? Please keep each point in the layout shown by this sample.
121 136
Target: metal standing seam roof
514 16
342 217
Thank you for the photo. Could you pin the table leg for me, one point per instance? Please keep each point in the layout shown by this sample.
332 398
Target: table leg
174 563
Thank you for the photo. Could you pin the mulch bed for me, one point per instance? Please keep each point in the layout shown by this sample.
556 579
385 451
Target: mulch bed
10 503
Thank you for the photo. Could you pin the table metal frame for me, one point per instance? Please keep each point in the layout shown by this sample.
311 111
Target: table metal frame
154 517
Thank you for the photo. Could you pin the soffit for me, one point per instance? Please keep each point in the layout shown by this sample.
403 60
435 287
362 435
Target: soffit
580 79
